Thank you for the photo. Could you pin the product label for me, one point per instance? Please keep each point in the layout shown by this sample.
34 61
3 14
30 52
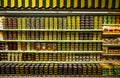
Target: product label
54 3
51 23
40 3
61 3
73 22
46 23
19 3
77 22
82 3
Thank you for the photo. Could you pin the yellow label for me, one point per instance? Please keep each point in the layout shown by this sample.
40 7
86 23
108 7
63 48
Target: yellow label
1 4
19 3
1 36
68 3
20 56
61 3
19 46
76 46
16 57
41 35
28 46
64 23
68 35
47 3
19 35
59 35
46 23
9 57
72 36
69 22
54 3
26 3
12 56
51 23
5 3
77 22
99 36
94 36
75 3
95 22
33 3
76 36
89 3
73 22
60 23
12 3
103 3
54 36
55 23
116 3
50 35
23 23
100 22
96 3
23 35
40 3
19 23
110 4
82 3
45 35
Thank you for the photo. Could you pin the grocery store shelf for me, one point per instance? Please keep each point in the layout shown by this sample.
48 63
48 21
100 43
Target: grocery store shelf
87 30
17 51
50 40
111 54
112 45
116 33
111 24
52 62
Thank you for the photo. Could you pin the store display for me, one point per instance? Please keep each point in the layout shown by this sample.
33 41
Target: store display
59 44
